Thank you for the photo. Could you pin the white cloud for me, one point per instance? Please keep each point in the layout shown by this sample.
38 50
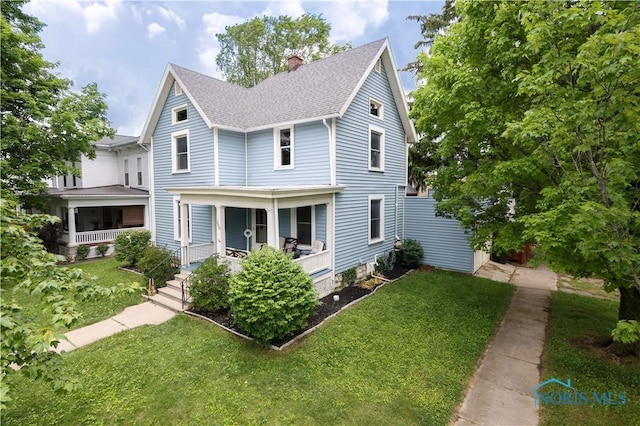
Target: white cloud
171 16
49 7
350 19
97 13
292 8
208 46
137 14
154 29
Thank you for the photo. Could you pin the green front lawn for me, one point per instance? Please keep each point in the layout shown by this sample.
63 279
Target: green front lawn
403 356
575 320
92 310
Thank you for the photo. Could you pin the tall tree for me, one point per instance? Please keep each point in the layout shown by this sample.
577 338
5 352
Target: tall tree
259 48
531 115
45 126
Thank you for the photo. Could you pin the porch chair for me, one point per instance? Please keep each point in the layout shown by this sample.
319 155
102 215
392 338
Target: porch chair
290 245
317 247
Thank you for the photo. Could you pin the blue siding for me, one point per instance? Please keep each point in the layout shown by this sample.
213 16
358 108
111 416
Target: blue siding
232 160
321 223
202 170
352 205
284 222
236 222
311 157
445 244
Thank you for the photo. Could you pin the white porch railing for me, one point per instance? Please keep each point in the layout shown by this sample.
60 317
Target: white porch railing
102 236
198 252
310 263
315 262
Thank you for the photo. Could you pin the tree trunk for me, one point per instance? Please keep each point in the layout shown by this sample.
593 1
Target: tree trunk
629 303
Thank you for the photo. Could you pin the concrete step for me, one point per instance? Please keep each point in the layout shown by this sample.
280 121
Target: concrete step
171 292
177 284
167 302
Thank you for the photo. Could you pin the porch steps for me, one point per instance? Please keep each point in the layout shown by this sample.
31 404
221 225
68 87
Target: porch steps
171 296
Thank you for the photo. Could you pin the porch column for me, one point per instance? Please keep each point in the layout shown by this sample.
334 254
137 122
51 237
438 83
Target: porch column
331 232
184 232
272 240
71 223
221 243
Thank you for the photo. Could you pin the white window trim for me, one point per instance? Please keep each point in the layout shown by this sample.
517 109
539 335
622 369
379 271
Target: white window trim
127 175
380 108
177 89
174 114
140 180
174 151
379 130
378 66
176 225
294 225
373 198
277 155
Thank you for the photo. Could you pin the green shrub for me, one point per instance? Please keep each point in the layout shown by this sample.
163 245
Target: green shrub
381 265
83 252
410 253
102 249
348 277
157 264
210 285
271 297
129 246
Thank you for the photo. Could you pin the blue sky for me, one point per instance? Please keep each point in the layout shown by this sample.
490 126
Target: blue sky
124 46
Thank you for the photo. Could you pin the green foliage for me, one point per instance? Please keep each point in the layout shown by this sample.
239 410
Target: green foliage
272 296
102 249
551 156
210 285
129 246
259 48
381 265
27 267
156 263
626 331
45 125
443 319
410 253
348 277
83 252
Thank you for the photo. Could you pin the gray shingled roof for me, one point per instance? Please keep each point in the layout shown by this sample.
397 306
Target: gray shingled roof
111 190
318 89
117 140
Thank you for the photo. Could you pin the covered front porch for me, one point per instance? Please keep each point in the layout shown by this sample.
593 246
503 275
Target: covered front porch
297 220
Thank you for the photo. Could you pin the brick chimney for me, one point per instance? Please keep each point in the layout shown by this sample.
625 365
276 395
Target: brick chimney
294 62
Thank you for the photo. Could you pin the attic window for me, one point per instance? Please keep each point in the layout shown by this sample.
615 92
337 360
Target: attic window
375 108
180 114
378 66
177 89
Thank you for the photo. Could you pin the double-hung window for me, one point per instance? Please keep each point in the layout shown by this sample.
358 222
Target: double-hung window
139 170
376 218
376 149
180 151
126 172
304 225
283 148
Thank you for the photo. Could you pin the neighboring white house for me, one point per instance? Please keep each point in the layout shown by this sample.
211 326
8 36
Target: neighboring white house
110 196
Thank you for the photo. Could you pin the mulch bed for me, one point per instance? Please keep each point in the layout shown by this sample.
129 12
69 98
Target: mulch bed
327 306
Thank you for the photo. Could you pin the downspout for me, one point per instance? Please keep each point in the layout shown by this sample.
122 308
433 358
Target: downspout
395 228
246 161
331 171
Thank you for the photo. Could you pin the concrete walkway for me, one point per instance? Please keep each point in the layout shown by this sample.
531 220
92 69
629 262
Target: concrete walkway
500 393
131 317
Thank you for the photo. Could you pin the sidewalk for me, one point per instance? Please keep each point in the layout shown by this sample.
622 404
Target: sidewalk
131 317
500 393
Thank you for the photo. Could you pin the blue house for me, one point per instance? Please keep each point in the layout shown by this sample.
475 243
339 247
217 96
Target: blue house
316 155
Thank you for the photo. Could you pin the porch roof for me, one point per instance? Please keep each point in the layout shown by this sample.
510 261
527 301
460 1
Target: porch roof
99 192
262 192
